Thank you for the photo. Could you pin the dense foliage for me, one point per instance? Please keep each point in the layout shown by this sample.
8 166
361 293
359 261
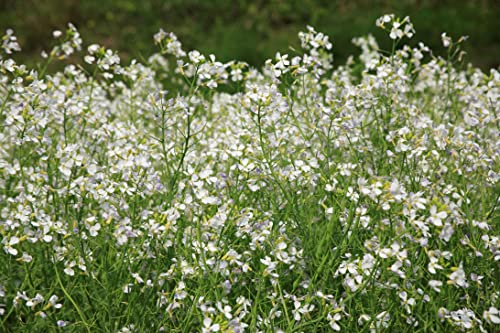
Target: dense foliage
250 30
184 194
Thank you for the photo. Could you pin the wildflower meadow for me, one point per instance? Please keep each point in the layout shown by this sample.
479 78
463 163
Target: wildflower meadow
178 193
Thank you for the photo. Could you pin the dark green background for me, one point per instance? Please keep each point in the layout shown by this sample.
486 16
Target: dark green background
249 30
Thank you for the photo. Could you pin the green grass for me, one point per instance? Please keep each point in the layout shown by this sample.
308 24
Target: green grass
249 30
139 197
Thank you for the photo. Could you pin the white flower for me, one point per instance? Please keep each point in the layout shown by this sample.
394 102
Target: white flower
436 217
382 320
159 36
416 200
9 42
94 230
445 39
9 65
463 318
446 232
93 48
492 315
395 268
25 257
406 302
396 32
363 319
89 59
208 327
137 278
53 302
435 284
31 302
69 268
196 57
225 310
458 278
281 65
333 319
300 309
381 21
8 246
433 265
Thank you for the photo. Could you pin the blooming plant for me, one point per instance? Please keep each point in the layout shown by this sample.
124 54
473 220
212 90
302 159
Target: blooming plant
145 197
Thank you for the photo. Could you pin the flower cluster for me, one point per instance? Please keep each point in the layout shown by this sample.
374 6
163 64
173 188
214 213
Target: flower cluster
143 197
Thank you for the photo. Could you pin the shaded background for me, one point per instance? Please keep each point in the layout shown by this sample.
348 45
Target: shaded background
249 30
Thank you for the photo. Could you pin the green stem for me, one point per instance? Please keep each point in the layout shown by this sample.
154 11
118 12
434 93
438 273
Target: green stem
80 313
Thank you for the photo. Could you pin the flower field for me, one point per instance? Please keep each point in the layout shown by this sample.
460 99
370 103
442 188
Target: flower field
182 194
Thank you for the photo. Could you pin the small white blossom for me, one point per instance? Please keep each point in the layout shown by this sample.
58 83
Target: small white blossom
492 315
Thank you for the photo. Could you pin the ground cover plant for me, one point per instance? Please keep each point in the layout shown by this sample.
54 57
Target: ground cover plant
183 194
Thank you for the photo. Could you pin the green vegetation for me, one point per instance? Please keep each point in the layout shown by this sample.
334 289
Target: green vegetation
249 30
180 193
